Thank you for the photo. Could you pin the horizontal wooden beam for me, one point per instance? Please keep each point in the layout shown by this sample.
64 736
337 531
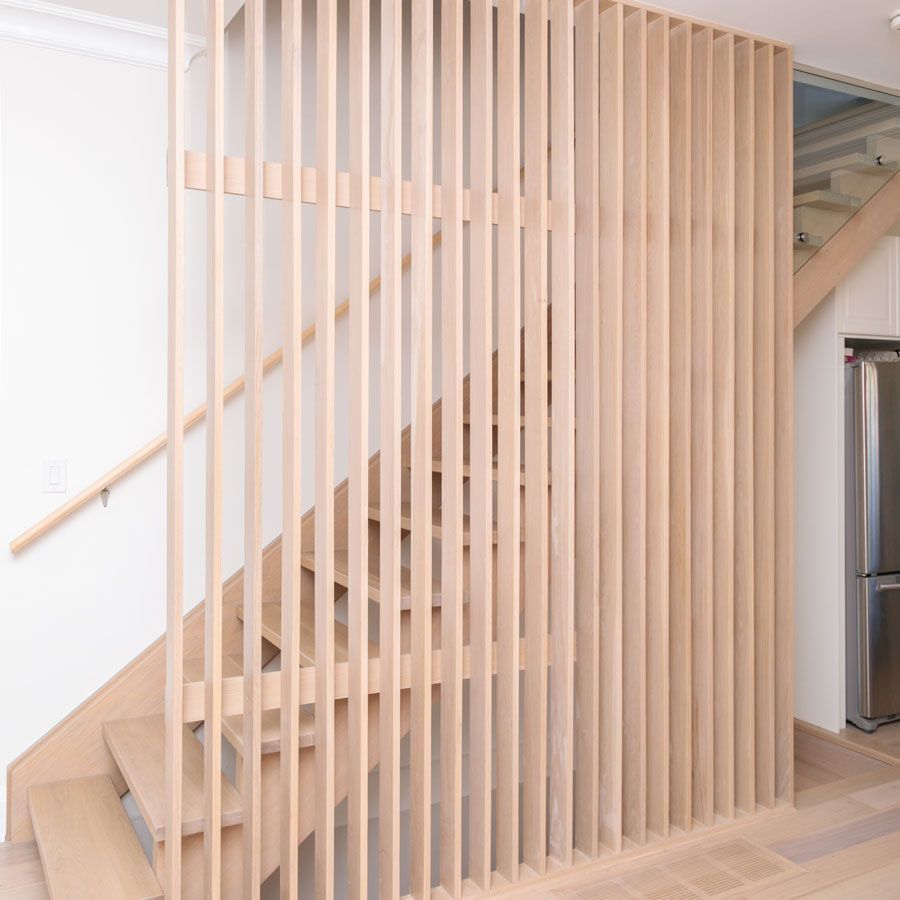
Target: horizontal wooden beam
195 179
233 687
845 249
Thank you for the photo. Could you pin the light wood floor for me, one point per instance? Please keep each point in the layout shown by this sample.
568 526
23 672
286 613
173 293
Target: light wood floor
842 841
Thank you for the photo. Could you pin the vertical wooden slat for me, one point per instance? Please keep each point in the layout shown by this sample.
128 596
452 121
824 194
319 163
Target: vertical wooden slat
764 426
723 420
326 64
481 492
358 462
534 809
680 717
658 380
251 789
215 401
291 44
390 364
562 497
611 223
587 437
451 445
701 427
421 273
175 449
634 424
784 434
744 733
509 320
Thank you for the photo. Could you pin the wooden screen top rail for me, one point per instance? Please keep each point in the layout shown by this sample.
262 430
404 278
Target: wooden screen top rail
195 177
151 448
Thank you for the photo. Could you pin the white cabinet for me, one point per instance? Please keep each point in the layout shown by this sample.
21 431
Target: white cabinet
868 299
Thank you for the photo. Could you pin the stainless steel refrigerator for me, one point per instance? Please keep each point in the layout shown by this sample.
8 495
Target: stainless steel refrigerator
873 543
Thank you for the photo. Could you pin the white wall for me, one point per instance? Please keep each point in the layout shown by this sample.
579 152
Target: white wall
819 547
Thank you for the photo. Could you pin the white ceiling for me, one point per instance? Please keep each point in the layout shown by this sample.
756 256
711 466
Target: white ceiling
847 37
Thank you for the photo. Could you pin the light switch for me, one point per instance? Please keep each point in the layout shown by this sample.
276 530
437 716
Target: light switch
54 476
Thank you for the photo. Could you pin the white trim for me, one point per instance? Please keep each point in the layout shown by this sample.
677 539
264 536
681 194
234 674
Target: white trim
43 24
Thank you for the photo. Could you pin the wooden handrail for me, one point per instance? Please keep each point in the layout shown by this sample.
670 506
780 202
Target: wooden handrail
196 415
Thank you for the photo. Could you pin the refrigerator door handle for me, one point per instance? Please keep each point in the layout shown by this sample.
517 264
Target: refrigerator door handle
888 587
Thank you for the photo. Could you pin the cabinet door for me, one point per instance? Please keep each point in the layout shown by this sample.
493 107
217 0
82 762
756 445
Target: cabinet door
867 299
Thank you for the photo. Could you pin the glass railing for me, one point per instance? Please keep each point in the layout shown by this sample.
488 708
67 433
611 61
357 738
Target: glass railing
846 146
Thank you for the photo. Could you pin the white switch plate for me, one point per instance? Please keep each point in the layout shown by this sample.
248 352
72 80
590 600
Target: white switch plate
54 476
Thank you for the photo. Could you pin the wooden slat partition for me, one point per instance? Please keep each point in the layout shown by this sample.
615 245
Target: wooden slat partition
326 124
534 289
215 403
701 426
621 323
421 443
611 311
562 498
586 761
744 568
174 702
481 14
634 425
451 103
251 787
680 650
509 446
390 363
658 384
764 425
783 638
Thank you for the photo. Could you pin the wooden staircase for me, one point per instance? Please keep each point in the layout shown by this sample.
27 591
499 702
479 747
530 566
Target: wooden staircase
85 842
839 164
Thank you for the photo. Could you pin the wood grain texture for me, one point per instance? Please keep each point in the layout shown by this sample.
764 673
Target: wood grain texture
509 452
215 403
701 427
562 497
784 434
658 383
680 493
723 443
634 433
390 427
744 549
534 289
451 101
611 304
251 770
325 763
764 426
481 490
358 462
588 436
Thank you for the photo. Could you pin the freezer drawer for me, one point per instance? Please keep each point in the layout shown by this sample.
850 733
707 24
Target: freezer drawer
877 629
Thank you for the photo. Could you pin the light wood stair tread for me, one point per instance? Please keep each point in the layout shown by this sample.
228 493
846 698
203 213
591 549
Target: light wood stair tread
851 162
830 200
342 577
271 628
21 872
233 726
87 844
271 631
139 748
437 465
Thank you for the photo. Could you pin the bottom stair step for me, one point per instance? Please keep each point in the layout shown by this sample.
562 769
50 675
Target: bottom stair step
139 749
21 873
88 847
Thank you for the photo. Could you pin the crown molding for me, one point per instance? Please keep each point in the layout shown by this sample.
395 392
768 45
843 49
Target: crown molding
57 27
